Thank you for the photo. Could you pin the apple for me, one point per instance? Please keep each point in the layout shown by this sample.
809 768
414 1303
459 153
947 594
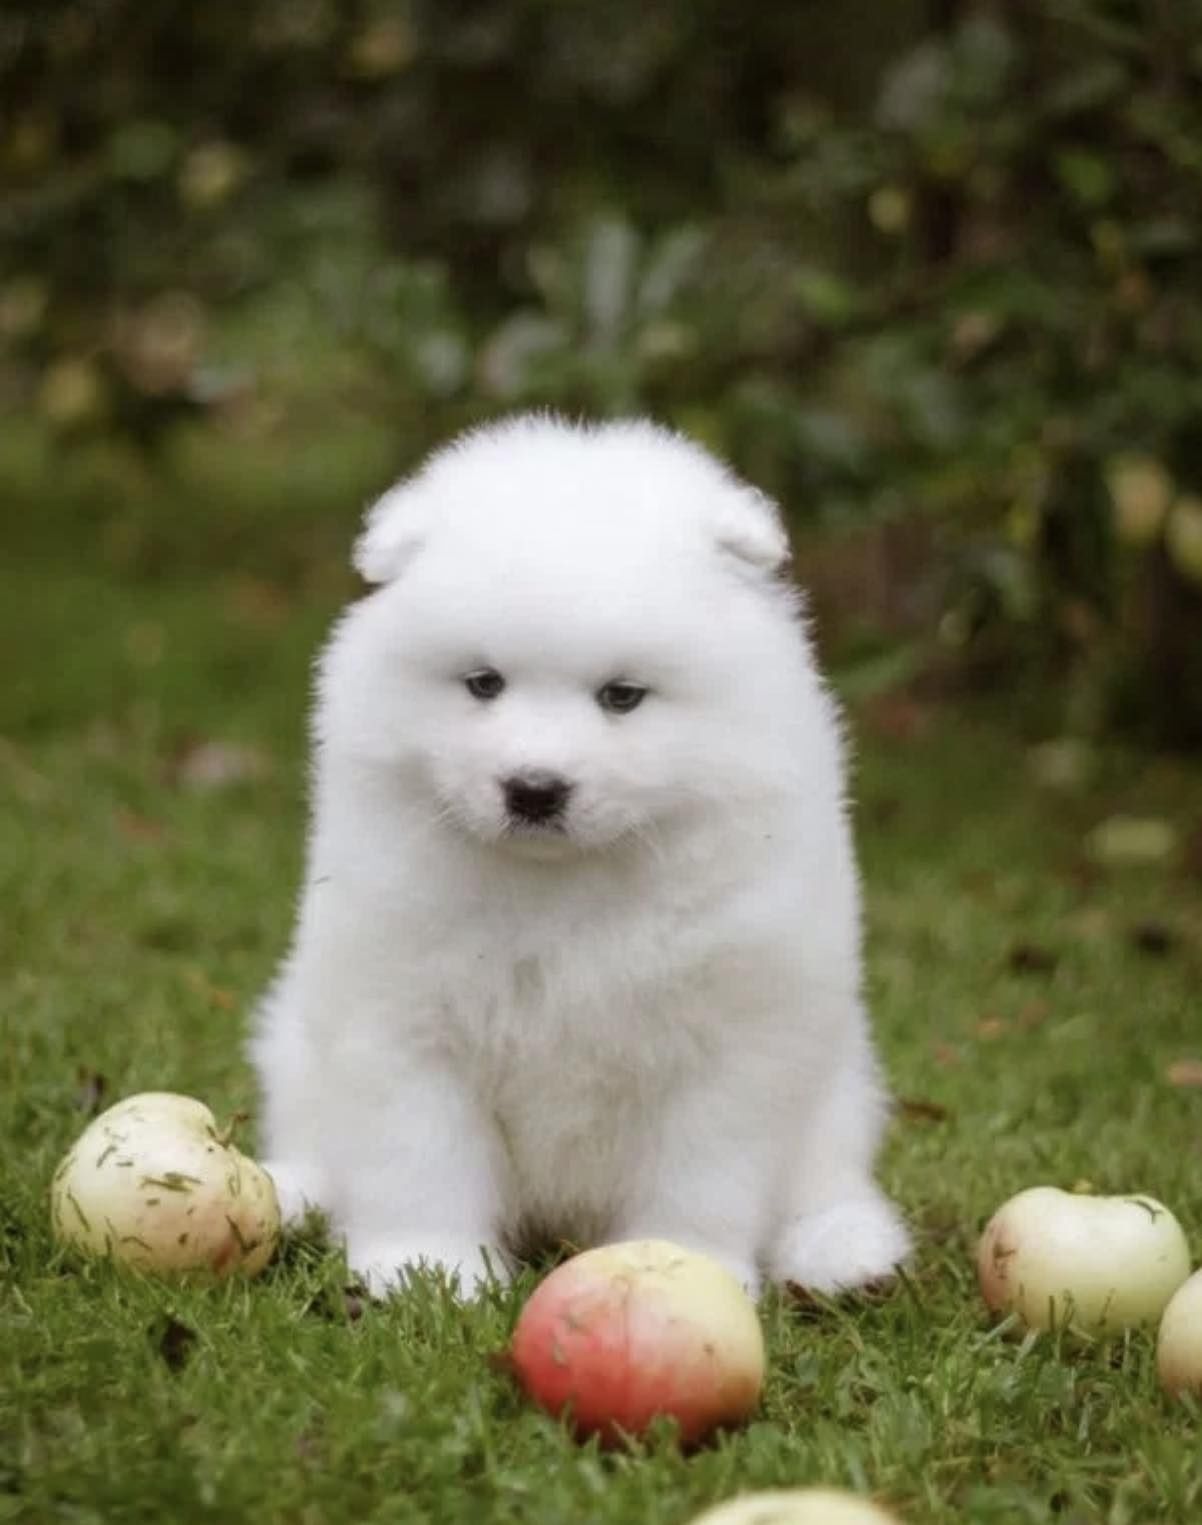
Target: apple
797 1506
1095 1264
210 173
1141 491
1183 537
155 1184
1179 1343
620 1335
72 392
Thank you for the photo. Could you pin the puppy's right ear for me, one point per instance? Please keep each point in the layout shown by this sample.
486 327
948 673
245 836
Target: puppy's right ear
751 530
392 534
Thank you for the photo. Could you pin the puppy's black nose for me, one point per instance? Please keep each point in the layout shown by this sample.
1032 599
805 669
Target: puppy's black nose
535 796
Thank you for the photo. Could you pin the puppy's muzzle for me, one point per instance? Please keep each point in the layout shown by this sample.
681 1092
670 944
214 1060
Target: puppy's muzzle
536 798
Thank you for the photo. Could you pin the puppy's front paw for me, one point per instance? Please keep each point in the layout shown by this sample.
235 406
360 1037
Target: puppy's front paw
386 1265
854 1244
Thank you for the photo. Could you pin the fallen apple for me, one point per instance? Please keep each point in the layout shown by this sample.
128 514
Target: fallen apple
1093 1264
1179 1343
797 1506
621 1335
155 1184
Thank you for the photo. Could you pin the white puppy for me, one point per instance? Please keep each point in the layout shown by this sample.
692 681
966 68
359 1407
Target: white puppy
578 952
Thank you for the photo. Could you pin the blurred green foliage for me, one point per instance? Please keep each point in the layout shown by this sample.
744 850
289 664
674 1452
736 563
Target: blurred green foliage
929 272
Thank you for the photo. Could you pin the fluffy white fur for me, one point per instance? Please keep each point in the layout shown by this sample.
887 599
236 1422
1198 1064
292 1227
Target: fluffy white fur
642 1018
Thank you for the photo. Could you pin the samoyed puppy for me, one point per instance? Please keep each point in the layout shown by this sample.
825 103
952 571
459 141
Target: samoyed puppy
578 953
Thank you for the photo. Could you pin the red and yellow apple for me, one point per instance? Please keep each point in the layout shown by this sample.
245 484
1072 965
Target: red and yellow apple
622 1335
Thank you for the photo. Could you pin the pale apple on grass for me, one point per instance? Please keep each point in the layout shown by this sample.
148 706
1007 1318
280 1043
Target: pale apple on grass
797 1506
1095 1264
1179 1341
155 1184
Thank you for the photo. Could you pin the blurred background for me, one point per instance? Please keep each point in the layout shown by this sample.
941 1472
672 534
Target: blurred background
928 271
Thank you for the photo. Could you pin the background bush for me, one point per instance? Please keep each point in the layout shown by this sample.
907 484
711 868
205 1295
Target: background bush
931 273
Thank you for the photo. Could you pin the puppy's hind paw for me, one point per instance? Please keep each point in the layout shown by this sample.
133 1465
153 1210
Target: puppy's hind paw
857 1244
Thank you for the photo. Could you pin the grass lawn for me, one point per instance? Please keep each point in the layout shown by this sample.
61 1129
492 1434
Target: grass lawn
1029 1007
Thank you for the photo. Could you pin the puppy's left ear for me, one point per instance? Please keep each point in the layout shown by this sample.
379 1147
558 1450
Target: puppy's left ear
751 530
392 534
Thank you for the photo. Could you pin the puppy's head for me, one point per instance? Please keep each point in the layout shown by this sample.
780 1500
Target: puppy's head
577 635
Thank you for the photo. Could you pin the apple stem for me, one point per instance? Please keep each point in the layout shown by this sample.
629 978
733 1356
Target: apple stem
225 1137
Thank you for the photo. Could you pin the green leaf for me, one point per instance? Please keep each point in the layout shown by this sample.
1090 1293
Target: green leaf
833 438
825 296
1087 175
1163 237
142 150
1088 86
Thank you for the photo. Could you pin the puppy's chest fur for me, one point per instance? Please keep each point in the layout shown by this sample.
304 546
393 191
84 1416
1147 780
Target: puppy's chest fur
575 1071
556 1012
540 1045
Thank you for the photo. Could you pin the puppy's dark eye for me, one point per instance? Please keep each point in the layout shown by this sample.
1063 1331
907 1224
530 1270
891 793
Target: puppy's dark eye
485 683
620 698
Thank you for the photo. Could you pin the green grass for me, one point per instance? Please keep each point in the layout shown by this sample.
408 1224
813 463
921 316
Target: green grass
140 920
